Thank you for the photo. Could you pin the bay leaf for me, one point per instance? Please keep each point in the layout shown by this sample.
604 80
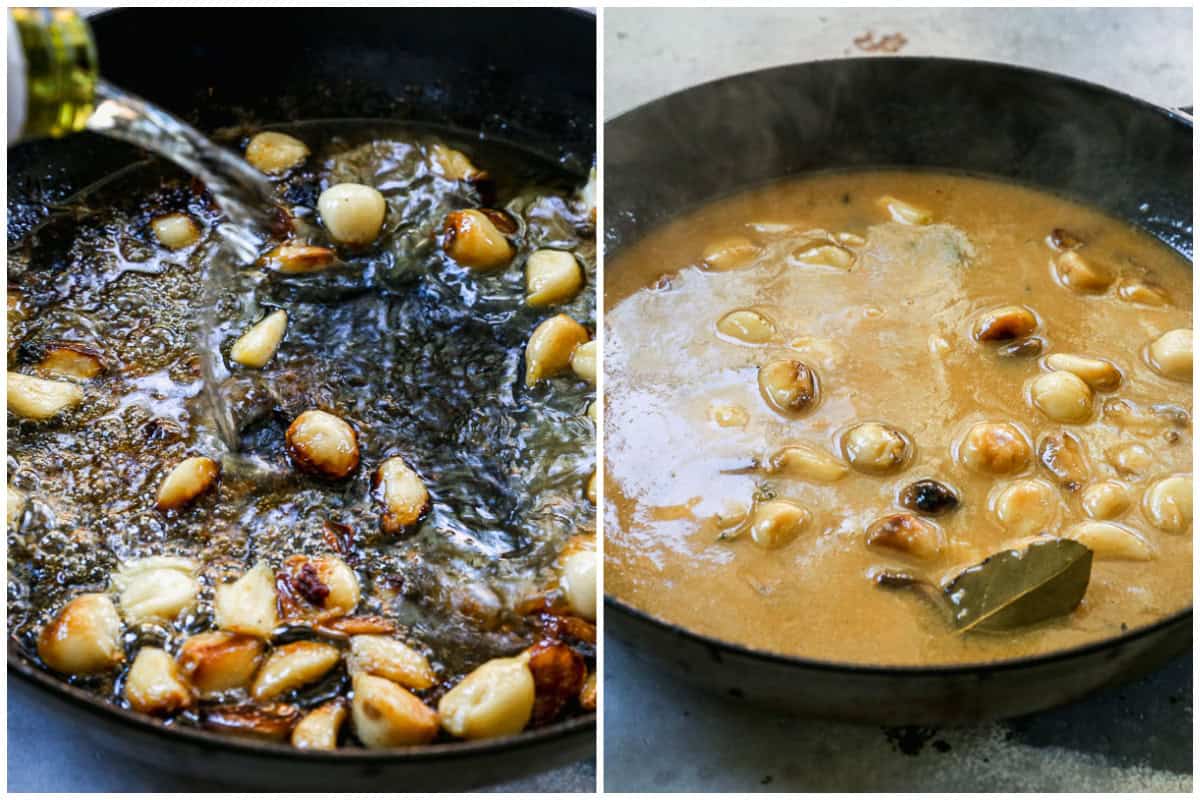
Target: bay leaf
1015 588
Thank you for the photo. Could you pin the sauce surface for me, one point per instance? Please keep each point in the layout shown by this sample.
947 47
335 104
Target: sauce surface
891 340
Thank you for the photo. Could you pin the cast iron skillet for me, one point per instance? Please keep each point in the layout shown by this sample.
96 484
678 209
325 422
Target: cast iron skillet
1129 158
522 75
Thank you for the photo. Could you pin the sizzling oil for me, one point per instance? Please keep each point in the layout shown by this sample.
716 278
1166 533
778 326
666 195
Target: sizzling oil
423 358
891 342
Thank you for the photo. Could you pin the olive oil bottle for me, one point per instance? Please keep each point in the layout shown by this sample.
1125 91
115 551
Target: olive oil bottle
52 73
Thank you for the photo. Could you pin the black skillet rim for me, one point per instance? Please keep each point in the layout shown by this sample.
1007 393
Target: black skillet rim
900 670
26 670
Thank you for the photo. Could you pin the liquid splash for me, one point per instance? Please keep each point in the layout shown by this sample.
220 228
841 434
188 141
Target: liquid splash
246 199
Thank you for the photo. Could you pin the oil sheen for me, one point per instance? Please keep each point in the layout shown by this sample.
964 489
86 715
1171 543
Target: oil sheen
422 357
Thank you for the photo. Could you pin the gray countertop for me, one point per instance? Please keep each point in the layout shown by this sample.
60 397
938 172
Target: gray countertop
664 736
651 52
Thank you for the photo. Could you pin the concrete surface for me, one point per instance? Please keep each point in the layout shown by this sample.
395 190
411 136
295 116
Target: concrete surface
652 52
662 736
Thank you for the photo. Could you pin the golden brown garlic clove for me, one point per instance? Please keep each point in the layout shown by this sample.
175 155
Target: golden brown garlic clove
807 462
257 346
587 695
590 490
551 277
1106 500
322 444
272 721
747 325
904 213
386 657
496 699
777 523
730 252
994 447
558 673
175 231
248 605
315 589
876 448
319 728
475 238
154 685
1026 507
1005 324
275 153
454 165
1130 458
1171 354
403 494
299 259
1168 504
387 715
1147 294
1062 239
219 661
84 638
40 399
789 386
551 346
1101 375
583 362
189 479
906 534
156 589
1081 274
1110 541
1029 347
70 360
293 665
822 253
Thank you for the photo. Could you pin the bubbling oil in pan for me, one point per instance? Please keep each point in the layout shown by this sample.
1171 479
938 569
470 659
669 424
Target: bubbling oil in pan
422 357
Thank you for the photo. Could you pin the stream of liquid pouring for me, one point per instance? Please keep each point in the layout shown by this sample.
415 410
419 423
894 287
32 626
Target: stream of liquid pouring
244 195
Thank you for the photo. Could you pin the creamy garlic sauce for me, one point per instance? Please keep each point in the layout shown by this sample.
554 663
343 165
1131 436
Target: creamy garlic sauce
890 340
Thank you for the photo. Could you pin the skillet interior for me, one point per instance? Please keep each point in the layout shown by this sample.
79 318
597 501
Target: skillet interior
464 69
1074 139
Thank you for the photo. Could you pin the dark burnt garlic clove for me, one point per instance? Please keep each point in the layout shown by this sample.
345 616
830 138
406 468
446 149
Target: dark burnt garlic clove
928 497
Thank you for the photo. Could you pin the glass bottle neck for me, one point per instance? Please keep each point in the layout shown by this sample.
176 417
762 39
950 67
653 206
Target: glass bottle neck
52 72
